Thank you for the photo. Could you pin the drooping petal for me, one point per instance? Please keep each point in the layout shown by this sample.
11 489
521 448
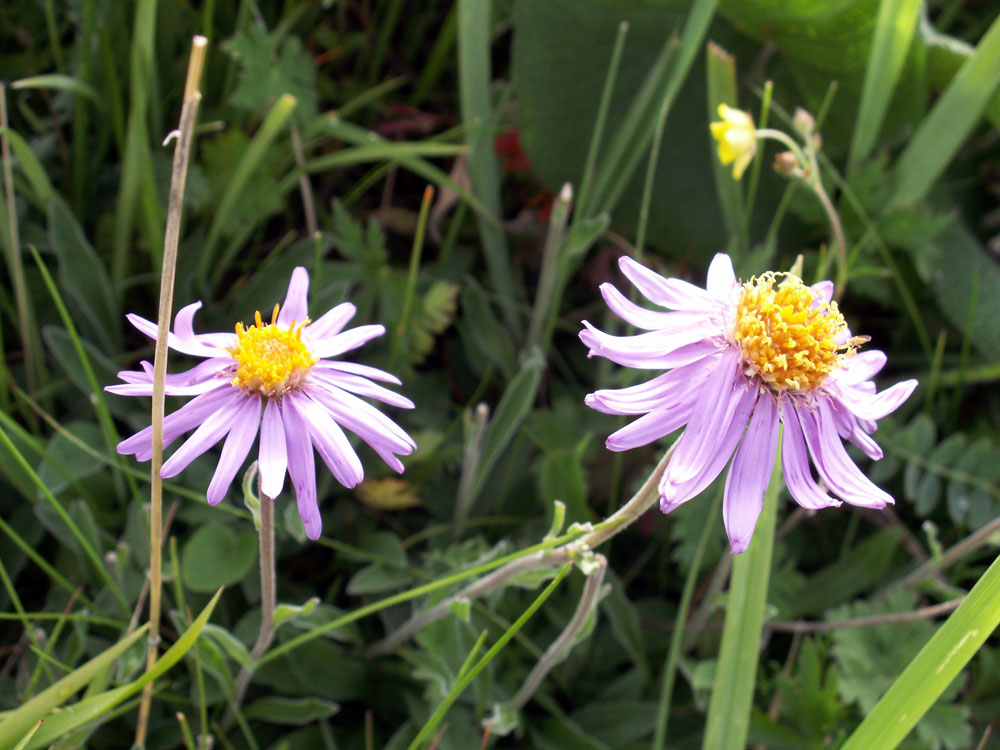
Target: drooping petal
329 440
835 467
649 427
878 406
363 387
709 417
272 459
189 416
235 449
668 388
673 294
721 278
795 465
673 494
296 306
640 317
750 474
186 346
859 368
184 329
146 389
205 370
331 322
344 342
870 448
301 468
363 419
653 350
208 434
355 369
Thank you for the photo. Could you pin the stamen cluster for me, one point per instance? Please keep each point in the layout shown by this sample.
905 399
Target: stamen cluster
270 360
787 337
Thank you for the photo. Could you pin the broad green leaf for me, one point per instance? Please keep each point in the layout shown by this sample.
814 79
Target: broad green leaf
59 344
216 555
83 280
67 461
377 579
271 65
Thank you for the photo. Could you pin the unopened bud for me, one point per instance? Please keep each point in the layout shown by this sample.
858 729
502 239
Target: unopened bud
803 122
786 164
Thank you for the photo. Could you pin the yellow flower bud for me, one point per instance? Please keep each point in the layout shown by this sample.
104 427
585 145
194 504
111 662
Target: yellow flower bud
737 138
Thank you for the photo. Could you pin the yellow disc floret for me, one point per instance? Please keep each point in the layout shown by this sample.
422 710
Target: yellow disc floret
270 360
788 338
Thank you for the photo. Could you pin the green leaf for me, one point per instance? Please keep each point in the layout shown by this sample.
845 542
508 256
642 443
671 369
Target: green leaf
945 128
721 68
67 461
31 167
272 65
376 579
17 723
514 406
485 338
215 556
92 708
58 81
83 280
435 314
294 711
60 345
894 28
732 690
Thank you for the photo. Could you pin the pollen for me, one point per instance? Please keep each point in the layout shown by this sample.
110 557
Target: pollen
270 361
790 339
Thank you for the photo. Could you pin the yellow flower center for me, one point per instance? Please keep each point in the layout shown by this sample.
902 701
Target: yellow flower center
270 360
787 339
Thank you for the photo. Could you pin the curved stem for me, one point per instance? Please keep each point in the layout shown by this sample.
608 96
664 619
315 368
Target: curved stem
785 140
621 519
836 228
267 598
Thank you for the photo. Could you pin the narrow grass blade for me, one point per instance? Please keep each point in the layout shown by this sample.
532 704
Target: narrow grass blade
17 723
92 708
721 71
893 32
462 683
933 669
736 674
57 81
208 264
945 128
138 181
621 162
41 187
474 80
587 179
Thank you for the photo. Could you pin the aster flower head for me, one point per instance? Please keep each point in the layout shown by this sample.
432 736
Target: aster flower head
737 138
273 377
742 359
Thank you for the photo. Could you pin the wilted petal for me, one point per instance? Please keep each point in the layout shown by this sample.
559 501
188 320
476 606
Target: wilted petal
640 317
643 431
795 465
329 440
670 293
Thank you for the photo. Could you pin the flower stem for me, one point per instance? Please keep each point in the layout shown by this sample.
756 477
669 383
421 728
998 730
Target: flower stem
178 179
267 597
621 519
838 232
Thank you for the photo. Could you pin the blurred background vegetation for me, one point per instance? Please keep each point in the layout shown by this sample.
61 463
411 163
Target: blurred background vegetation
321 125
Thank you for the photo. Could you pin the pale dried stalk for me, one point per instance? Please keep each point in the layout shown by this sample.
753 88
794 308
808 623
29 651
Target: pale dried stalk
178 179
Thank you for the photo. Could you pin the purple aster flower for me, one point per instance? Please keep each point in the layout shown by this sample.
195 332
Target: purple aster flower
742 359
281 368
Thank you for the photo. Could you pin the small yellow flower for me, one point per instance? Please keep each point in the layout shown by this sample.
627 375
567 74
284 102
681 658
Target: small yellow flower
737 138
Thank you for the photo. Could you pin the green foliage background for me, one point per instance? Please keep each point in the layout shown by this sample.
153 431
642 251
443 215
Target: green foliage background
383 99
